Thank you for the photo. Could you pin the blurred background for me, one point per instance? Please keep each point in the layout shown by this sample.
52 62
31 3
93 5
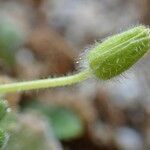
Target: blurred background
44 38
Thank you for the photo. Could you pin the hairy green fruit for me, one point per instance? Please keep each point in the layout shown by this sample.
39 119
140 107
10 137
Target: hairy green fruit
118 53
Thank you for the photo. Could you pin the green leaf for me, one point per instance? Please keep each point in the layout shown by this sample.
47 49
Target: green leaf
3 108
3 138
65 123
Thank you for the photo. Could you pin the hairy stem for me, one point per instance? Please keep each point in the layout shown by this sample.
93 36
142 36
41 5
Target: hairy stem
45 83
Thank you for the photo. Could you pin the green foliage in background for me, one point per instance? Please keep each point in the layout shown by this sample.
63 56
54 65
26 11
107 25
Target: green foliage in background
10 39
65 123
3 112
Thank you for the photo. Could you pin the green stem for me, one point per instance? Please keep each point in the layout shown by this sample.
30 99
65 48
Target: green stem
45 83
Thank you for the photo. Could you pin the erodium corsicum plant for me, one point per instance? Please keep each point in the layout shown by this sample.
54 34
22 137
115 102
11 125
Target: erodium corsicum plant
105 60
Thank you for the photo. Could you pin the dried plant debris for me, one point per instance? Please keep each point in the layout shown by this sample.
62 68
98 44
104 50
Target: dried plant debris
59 58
